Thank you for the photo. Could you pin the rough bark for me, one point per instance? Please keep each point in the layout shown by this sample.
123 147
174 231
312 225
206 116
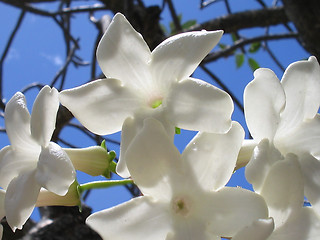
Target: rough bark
306 18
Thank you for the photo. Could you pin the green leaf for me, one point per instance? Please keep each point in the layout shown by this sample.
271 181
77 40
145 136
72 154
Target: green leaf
103 144
234 37
178 130
254 47
253 64
222 46
188 24
239 60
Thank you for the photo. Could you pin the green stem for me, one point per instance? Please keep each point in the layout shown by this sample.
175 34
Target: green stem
103 184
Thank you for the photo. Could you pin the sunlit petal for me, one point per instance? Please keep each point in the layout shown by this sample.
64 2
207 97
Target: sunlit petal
44 114
304 224
177 57
263 158
132 126
55 171
213 156
301 83
101 106
193 104
231 209
13 162
264 99
17 120
258 230
283 189
20 199
311 168
136 219
123 54
153 161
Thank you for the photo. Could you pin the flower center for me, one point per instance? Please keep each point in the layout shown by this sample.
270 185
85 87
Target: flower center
156 103
181 206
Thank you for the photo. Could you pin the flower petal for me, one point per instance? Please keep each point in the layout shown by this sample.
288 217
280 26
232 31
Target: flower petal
55 171
283 189
229 210
2 199
258 230
304 138
304 224
132 126
20 199
311 168
177 57
91 160
17 120
135 219
301 83
213 156
44 114
123 54
262 160
264 99
101 105
246 152
193 104
153 161
14 162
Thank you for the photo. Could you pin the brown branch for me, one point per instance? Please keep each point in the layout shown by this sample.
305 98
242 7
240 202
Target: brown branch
242 20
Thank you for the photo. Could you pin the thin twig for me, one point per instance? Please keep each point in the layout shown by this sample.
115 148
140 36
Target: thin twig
228 51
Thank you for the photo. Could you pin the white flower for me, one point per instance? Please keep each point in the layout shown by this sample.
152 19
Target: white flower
286 113
32 161
280 182
183 195
141 83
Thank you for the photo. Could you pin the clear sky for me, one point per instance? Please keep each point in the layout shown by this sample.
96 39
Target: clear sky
38 53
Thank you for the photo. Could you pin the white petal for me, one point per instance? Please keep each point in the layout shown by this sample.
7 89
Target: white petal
72 198
246 152
193 104
136 219
304 138
190 229
91 160
231 209
264 99
177 57
101 105
123 54
283 189
2 199
44 114
305 224
311 168
258 230
20 199
153 161
17 120
14 162
132 126
213 156
301 83
262 160
55 171
1 231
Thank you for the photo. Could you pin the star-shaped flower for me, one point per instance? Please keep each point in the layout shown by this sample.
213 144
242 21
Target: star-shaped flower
279 180
141 83
285 113
32 161
183 195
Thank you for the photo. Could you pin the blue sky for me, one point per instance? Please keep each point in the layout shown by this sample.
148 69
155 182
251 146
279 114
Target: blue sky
38 52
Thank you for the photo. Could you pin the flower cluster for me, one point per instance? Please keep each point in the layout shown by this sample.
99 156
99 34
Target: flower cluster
147 95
